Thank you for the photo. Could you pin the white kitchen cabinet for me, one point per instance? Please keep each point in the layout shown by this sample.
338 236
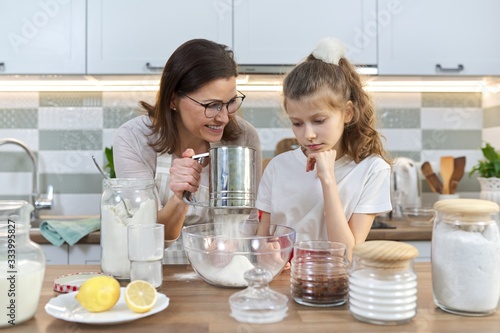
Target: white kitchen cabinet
446 37
42 37
55 255
137 37
283 32
84 254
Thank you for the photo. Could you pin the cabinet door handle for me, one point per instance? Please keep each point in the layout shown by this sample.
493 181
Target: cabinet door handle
457 69
153 68
2 66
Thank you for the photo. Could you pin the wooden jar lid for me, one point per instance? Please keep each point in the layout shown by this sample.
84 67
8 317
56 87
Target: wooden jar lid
466 206
381 253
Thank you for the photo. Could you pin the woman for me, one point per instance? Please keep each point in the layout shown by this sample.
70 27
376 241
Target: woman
194 110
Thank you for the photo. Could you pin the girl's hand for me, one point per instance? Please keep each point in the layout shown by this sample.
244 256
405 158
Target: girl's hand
185 174
324 162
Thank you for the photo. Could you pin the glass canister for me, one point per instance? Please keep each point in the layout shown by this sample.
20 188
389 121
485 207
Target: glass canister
124 201
22 264
382 283
318 274
466 256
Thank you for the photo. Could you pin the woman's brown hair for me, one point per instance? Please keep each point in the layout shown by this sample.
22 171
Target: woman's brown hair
360 138
191 66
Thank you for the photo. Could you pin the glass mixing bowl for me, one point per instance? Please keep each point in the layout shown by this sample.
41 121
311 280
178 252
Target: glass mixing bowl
221 253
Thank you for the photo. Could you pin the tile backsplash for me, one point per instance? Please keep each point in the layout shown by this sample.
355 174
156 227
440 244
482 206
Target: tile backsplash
65 129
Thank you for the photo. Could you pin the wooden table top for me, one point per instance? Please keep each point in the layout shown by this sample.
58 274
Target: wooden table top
404 231
196 306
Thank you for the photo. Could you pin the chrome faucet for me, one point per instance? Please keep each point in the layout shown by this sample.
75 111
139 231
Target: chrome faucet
38 201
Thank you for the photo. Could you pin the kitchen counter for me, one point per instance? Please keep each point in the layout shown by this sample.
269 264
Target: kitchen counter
403 232
196 306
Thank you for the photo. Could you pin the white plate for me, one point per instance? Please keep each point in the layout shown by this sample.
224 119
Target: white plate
66 307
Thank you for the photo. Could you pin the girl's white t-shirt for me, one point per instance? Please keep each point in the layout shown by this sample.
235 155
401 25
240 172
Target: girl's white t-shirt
294 197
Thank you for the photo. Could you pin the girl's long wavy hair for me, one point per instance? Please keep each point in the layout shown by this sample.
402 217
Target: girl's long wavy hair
191 66
360 138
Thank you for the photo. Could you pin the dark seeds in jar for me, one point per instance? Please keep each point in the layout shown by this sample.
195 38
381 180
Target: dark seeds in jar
320 289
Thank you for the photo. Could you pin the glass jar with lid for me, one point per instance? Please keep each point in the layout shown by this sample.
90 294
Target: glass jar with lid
124 201
466 256
22 264
382 283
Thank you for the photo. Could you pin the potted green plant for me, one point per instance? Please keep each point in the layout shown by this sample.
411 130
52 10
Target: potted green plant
488 170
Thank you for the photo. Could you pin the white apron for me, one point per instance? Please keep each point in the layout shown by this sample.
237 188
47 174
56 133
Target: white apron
175 254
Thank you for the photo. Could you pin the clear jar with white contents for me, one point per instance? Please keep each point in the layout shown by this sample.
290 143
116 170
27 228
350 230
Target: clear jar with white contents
466 257
22 265
382 283
124 201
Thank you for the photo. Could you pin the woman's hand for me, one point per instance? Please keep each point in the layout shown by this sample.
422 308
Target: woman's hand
185 174
324 162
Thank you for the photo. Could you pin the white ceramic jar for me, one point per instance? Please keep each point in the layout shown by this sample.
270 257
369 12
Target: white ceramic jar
466 256
382 283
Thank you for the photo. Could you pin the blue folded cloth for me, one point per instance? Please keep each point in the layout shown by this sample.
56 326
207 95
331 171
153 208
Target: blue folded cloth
58 232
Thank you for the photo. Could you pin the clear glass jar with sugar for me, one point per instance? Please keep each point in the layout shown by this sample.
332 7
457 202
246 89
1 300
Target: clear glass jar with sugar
466 256
124 201
382 283
22 264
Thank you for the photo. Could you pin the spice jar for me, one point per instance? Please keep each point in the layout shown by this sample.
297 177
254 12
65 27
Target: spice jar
382 283
319 273
466 256
124 201
22 264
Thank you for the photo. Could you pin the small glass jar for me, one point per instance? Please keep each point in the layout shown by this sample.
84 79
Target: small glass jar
466 256
22 264
319 273
139 198
382 283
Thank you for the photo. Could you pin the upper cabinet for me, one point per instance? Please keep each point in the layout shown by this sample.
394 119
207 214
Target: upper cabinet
42 37
136 37
284 32
429 37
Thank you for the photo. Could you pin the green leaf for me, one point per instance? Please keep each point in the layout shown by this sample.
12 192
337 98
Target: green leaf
490 153
488 167
111 166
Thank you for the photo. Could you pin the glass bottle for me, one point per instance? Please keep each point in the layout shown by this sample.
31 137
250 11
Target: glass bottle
382 283
138 197
22 264
318 274
466 256
258 304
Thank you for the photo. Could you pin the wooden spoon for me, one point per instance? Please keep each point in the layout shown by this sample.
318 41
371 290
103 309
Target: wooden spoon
447 167
432 178
458 172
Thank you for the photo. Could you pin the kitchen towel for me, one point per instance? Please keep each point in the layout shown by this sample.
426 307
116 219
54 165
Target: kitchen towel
58 232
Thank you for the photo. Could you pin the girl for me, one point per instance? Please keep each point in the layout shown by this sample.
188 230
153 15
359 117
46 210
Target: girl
331 187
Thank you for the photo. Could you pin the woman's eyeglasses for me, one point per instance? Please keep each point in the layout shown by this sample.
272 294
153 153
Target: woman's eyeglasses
212 109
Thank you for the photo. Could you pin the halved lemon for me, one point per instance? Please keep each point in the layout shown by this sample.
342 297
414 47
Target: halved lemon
140 296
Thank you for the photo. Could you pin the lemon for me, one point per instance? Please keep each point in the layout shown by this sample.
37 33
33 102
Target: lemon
140 296
99 293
